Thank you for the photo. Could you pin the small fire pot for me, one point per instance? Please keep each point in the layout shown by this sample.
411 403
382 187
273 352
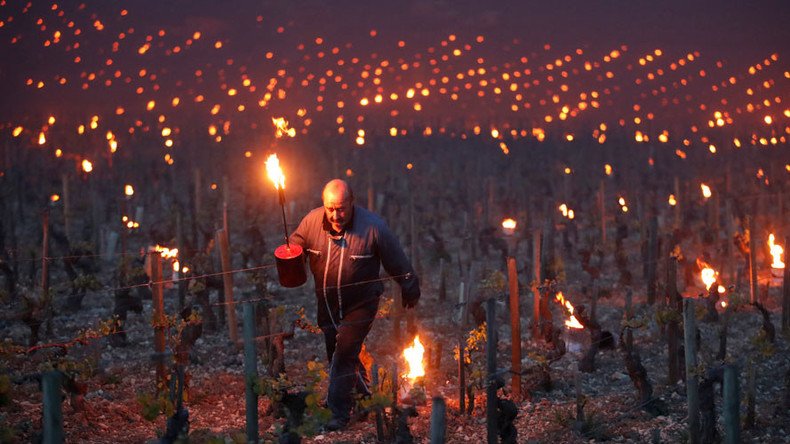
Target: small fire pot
290 265
577 341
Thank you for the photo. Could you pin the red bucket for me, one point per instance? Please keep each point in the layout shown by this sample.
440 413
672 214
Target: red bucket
290 265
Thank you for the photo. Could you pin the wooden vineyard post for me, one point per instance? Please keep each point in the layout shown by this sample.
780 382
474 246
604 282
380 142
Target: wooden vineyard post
602 208
438 420
442 281
652 259
675 306
52 411
198 207
692 384
752 262
461 375
731 405
181 245
374 370
45 255
786 291
225 199
397 315
158 302
250 372
66 206
227 280
515 328
124 227
491 376
536 241
676 207
629 313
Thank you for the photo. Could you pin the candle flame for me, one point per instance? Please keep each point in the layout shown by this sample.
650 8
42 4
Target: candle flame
572 322
167 253
509 224
705 190
776 252
413 356
282 127
274 171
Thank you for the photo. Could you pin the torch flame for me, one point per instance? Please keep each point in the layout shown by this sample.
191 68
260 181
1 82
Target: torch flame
274 171
413 356
282 127
572 322
776 252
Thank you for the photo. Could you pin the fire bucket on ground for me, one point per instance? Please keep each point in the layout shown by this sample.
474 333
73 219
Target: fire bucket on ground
290 265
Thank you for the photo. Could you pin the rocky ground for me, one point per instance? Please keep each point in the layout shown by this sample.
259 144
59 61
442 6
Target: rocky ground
108 409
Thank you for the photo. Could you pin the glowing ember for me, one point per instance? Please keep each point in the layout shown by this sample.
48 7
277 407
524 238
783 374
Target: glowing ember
282 127
572 322
274 171
706 193
776 252
413 356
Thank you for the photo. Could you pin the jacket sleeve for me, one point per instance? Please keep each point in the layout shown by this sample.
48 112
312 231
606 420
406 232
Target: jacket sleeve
397 265
301 234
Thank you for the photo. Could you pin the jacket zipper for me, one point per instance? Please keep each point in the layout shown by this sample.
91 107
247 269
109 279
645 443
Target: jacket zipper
339 273
326 273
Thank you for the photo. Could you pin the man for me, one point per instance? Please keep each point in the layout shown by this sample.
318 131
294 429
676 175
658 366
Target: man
346 245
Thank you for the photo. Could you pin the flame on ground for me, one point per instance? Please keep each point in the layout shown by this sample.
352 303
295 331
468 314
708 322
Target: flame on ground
776 252
572 322
274 171
413 356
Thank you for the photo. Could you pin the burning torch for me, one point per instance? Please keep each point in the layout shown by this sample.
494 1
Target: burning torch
289 258
290 266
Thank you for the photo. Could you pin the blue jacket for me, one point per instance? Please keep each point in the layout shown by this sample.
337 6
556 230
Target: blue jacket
346 267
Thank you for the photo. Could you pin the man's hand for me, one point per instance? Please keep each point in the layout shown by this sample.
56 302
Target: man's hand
409 303
410 292
410 299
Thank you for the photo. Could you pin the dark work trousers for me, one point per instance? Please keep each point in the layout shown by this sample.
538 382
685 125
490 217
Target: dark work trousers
346 372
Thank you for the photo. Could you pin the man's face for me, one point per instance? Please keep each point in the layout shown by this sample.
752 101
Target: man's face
338 209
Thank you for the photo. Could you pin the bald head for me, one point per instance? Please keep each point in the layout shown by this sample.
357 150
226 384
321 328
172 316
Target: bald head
338 202
338 188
